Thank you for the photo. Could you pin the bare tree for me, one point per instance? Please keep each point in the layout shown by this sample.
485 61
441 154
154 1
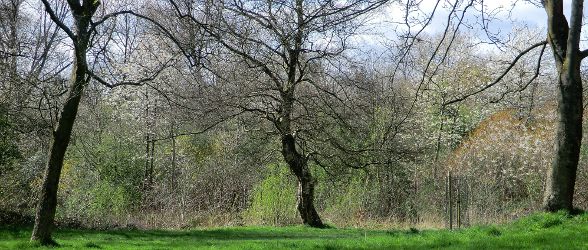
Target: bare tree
81 29
281 41
80 36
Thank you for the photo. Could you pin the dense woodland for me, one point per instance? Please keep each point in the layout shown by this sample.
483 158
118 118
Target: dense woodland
357 113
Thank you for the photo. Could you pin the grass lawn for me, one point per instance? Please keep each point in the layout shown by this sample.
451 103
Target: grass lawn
539 231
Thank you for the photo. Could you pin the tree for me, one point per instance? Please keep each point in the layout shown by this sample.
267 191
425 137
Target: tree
564 40
281 41
80 36
81 33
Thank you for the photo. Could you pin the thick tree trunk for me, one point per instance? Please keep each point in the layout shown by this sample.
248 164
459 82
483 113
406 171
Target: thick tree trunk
565 41
45 213
562 174
298 164
305 200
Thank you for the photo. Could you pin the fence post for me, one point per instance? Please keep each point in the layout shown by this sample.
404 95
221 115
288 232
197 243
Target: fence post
458 202
450 202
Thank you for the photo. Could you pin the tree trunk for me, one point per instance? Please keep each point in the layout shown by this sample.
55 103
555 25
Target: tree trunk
562 174
565 41
298 164
45 213
147 147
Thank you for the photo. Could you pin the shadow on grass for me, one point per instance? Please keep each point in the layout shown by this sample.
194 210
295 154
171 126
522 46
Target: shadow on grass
239 234
219 234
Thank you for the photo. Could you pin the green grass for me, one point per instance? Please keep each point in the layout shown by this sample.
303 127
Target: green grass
539 231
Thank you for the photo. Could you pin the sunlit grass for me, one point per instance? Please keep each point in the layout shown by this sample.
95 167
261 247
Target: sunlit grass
540 231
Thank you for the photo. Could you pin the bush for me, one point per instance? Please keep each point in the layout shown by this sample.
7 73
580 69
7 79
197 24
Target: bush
273 201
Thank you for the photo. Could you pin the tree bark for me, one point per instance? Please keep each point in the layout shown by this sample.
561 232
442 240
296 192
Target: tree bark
562 174
298 165
565 41
45 213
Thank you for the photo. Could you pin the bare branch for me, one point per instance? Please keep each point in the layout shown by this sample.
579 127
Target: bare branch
57 21
535 75
139 82
497 80
206 129
583 54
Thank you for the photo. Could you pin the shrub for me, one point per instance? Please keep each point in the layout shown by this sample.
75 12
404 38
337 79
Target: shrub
273 199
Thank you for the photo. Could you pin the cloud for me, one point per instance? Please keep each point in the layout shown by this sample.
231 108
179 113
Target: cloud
508 16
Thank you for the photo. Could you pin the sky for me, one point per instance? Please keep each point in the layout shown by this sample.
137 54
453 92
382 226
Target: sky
523 14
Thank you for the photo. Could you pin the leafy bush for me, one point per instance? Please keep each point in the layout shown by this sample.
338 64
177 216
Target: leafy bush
105 186
8 149
273 199
348 205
